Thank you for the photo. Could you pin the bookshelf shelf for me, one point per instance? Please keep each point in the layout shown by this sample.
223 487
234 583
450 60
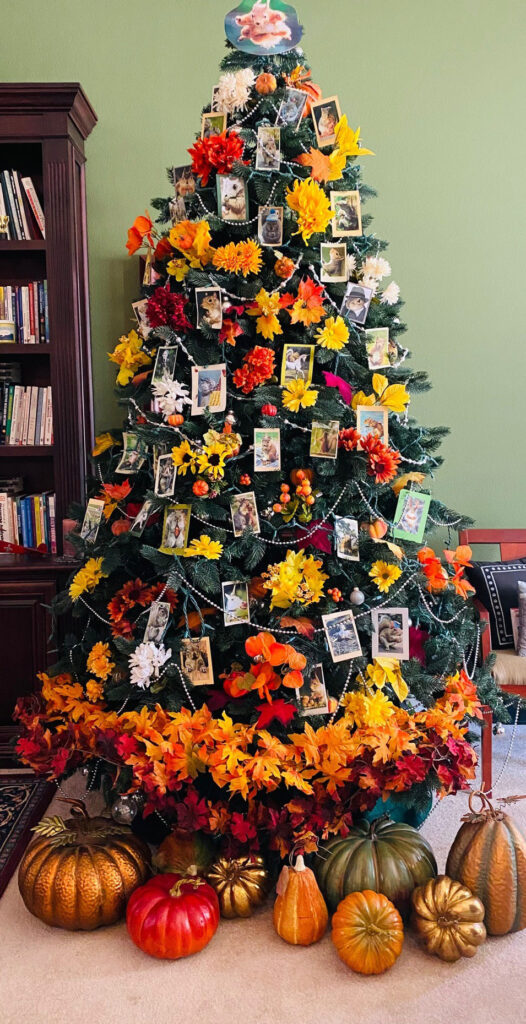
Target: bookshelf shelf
24 350
14 245
26 451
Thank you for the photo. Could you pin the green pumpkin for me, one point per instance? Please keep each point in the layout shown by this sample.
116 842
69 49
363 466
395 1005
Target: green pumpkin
185 853
385 856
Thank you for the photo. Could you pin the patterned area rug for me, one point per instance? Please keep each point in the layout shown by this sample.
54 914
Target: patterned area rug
23 801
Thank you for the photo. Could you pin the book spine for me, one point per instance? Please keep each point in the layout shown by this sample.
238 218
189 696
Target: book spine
52 524
4 212
48 422
25 314
31 312
41 313
26 532
9 202
15 178
39 519
34 202
14 415
31 430
19 531
38 418
24 415
11 179
14 519
46 312
4 531
36 321
9 418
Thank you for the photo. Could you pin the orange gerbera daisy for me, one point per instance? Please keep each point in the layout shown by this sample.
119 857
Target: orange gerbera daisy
382 461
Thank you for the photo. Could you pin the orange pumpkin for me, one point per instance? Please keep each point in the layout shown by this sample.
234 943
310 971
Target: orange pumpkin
284 267
175 419
300 913
266 83
377 529
367 931
200 488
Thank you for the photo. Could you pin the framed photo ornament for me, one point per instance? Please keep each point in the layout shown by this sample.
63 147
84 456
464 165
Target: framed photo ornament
411 515
263 27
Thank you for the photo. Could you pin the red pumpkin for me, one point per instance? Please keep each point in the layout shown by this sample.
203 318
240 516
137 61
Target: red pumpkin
171 917
269 410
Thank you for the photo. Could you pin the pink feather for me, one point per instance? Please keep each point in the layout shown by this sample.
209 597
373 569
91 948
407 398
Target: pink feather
333 381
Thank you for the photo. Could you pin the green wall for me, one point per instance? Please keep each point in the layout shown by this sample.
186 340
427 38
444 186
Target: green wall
438 89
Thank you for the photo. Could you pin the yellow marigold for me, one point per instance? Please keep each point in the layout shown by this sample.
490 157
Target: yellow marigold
296 578
177 269
347 141
384 575
184 458
102 443
87 578
99 660
250 257
368 711
266 307
298 394
334 334
205 547
387 670
94 690
313 207
226 258
212 460
128 354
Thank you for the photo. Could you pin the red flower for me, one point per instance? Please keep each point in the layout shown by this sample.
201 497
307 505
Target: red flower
218 152
258 366
120 526
166 309
349 439
162 249
117 491
168 595
382 462
229 332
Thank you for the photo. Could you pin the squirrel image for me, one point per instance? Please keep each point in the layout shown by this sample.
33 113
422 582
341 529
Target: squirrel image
233 203
326 123
262 26
211 311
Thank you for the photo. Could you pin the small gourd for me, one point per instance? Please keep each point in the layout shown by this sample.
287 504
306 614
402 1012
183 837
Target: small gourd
300 913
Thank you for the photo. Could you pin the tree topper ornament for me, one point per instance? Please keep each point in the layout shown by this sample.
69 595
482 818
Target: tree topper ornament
263 27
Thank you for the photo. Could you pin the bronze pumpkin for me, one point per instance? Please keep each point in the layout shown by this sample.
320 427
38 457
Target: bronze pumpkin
241 885
448 918
78 873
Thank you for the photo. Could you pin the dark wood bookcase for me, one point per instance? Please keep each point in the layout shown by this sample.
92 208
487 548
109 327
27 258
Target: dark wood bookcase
43 129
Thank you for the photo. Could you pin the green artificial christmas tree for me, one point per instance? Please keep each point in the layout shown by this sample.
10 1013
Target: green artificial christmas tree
265 644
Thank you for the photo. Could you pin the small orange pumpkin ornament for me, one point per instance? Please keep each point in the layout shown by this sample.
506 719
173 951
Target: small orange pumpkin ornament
367 931
175 419
300 913
284 267
377 529
200 488
266 83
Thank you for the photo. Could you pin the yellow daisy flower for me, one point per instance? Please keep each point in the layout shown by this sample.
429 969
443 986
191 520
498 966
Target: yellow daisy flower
212 460
384 575
177 269
334 334
87 578
313 207
184 458
205 547
129 356
266 307
298 394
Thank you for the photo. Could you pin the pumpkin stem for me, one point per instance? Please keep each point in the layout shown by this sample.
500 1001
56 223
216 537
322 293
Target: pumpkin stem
486 809
78 807
177 889
300 863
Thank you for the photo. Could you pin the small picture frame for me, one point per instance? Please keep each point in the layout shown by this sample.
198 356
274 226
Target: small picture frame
347 220
244 513
270 226
333 262
325 115
133 455
165 361
177 209
7 332
157 624
267 450
209 308
356 302
176 527
324 439
165 476
312 696
196 661
377 347
92 520
297 363
213 123
183 180
347 538
390 638
214 106
139 312
411 516
372 421
236 604
268 151
342 636
232 198
157 451
208 389
139 523
291 108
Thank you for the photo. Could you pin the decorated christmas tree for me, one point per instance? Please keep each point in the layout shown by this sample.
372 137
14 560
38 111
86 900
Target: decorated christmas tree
266 647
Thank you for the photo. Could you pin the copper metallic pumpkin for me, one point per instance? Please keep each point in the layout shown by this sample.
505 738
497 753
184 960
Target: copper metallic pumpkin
368 933
448 918
489 857
241 885
78 873
300 913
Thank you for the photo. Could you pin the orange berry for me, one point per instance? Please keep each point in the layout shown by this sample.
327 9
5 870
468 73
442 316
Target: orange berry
277 507
285 487
285 498
310 499
300 474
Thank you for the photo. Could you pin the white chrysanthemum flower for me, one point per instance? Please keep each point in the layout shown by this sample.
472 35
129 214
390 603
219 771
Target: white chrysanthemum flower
369 282
391 295
145 664
376 266
171 396
233 90
351 263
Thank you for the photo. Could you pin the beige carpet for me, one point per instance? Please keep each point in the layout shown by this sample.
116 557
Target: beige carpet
247 975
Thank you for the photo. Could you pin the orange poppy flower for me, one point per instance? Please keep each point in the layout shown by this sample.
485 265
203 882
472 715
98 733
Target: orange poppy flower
293 679
140 229
461 556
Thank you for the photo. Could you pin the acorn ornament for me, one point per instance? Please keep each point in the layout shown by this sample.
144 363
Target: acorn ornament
357 596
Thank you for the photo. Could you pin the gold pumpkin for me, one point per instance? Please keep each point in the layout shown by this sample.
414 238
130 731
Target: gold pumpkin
489 857
241 885
448 918
79 873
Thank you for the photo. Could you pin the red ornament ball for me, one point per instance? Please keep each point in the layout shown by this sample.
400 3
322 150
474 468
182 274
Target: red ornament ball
269 410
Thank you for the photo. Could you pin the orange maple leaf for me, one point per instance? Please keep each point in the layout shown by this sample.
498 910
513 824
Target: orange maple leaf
318 162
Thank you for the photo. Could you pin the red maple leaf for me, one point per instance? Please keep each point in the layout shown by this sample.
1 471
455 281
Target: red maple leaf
278 709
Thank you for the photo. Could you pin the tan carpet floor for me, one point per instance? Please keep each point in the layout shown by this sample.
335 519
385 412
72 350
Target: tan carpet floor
248 975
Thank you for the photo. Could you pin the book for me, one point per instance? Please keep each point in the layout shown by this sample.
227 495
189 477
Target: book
15 228
3 213
15 183
34 203
52 524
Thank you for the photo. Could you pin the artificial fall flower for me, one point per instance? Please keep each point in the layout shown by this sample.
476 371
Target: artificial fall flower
87 578
111 495
388 670
377 267
323 167
120 526
230 442
390 295
98 660
394 397
312 206
184 458
226 258
349 438
171 396
239 258
102 443
146 663
405 479
265 307
347 141
140 229
193 238
334 334
94 690
178 269
229 331
382 461
129 356
233 90
258 367
218 152
297 394
205 547
296 578
166 309
384 575
308 308
434 571
212 460
366 711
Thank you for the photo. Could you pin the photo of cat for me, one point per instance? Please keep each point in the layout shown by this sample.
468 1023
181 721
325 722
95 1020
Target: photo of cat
325 117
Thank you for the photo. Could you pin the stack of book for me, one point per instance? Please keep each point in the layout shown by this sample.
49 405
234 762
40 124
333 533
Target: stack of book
24 317
27 519
20 202
26 412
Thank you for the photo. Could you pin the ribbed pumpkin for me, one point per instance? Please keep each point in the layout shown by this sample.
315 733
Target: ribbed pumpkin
241 885
300 78
300 914
448 918
489 857
78 873
185 853
171 917
385 856
265 83
368 933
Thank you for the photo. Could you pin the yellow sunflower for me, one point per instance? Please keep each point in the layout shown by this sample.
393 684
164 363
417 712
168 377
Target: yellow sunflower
384 575
298 394
334 334
184 458
205 547
87 578
212 460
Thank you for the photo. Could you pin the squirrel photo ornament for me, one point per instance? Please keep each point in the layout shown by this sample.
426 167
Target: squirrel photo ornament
263 27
